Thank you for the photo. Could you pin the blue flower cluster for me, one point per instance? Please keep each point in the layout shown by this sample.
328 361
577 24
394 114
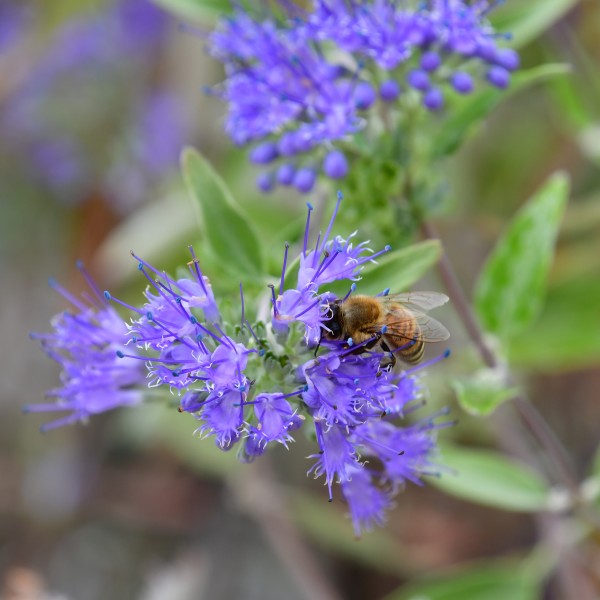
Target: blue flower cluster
299 88
121 132
85 343
255 385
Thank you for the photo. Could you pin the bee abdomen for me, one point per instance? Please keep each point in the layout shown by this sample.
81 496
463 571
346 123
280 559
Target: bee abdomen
413 347
414 353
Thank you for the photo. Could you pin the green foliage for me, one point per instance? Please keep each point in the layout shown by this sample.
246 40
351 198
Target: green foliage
567 334
487 477
511 286
468 113
481 393
397 270
196 10
526 21
487 581
372 183
225 227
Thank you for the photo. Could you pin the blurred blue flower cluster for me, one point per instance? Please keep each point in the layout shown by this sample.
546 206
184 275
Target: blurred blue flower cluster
300 86
256 384
86 342
91 113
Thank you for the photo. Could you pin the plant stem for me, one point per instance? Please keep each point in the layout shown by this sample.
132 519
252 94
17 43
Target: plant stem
531 418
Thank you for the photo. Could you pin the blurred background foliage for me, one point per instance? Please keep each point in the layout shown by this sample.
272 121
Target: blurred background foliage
133 506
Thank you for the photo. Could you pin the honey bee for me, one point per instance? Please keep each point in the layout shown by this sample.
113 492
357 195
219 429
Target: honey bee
396 323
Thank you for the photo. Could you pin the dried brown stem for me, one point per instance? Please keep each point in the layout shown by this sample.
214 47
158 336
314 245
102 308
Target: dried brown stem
529 415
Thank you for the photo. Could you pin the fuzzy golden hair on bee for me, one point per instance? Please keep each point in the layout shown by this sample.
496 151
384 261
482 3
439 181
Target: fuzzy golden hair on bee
397 324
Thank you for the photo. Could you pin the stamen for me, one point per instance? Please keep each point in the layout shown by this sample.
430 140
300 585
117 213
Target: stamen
225 339
350 291
67 295
315 303
307 228
252 331
285 257
373 442
327 260
199 274
317 251
428 363
274 300
333 217
143 264
110 298
374 256
206 330
91 283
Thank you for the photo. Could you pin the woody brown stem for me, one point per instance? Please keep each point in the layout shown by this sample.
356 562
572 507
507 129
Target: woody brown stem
529 415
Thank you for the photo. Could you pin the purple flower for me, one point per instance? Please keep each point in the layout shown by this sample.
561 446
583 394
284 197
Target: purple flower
179 337
14 19
122 133
303 80
85 344
462 82
276 418
330 260
280 90
335 165
368 503
223 416
255 385
170 324
433 99
406 452
389 90
285 174
337 457
352 402
304 179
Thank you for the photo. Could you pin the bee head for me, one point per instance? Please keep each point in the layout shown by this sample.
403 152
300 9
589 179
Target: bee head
332 327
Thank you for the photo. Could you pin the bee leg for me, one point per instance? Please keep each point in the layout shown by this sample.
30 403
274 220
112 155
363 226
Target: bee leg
317 348
388 362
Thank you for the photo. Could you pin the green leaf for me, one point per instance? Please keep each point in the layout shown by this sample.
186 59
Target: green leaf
196 10
223 223
486 581
467 113
527 20
567 332
399 269
488 478
512 284
396 270
481 393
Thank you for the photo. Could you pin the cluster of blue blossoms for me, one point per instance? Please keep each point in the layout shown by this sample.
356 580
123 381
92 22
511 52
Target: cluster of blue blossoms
300 87
122 133
254 385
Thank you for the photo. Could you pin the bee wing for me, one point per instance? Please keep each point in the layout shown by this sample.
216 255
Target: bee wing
417 301
430 329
